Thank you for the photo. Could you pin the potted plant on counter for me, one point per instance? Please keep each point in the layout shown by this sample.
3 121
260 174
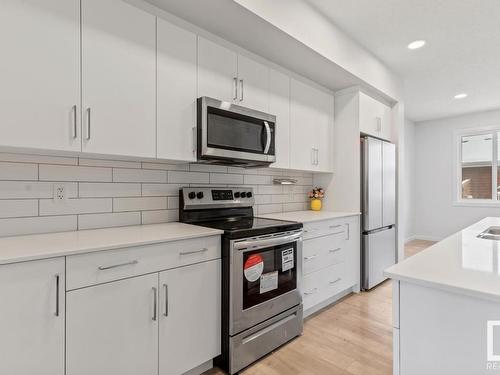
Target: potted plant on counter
316 195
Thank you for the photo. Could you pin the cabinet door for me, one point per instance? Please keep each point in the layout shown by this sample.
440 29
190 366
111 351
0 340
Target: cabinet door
279 105
253 80
40 74
32 318
176 92
311 118
112 329
302 116
374 117
190 313
119 79
323 130
217 71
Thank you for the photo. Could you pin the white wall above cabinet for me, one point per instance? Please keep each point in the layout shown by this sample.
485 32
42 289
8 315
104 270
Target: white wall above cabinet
40 74
118 79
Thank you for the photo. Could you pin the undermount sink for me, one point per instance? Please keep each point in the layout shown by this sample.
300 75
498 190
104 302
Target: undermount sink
492 233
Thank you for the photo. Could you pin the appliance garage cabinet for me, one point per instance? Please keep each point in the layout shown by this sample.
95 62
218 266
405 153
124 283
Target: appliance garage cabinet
145 106
145 309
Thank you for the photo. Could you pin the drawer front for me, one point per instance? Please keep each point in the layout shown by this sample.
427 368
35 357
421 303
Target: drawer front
322 284
322 252
101 267
325 228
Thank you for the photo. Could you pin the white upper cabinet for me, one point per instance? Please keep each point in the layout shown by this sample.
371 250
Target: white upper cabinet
40 74
190 321
253 84
176 106
217 71
32 318
118 79
279 105
374 117
311 128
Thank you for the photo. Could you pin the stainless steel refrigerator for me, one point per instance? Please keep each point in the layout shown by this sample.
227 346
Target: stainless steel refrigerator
378 187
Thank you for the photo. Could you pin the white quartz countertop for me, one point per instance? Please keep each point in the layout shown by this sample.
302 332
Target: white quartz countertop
309 216
40 246
460 263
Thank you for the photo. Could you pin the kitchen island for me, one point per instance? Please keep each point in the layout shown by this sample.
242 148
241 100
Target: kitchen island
446 306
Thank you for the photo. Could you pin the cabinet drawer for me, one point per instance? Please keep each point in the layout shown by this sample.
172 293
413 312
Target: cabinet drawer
323 284
95 268
324 228
323 251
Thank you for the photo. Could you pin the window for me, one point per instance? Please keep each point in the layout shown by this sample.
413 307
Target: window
478 170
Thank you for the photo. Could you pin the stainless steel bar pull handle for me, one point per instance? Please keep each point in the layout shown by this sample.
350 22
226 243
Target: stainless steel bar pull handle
131 263
335 250
75 130
312 291
241 83
193 252
165 286
310 257
235 82
335 281
88 124
154 303
268 137
57 296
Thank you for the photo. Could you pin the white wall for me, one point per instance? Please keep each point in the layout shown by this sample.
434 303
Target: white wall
408 170
435 215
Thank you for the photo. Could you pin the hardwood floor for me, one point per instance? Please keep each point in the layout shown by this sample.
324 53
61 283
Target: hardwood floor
352 337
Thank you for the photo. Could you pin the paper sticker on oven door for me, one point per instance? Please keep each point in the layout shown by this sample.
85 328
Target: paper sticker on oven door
253 267
287 262
268 282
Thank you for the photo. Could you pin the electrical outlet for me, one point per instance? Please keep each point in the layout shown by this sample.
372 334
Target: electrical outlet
59 192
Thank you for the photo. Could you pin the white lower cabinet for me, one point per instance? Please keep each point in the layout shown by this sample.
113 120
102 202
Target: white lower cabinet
32 311
112 329
165 320
331 261
190 300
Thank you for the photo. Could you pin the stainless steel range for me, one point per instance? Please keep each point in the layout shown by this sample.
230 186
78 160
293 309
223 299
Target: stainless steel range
261 273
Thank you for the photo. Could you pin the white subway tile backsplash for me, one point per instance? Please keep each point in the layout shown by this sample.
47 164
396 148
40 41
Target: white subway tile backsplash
225 178
108 189
109 163
139 204
33 225
38 159
257 180
75 206
166 167
18 208
139 175
160 190
107 193
160 216
117 219
18 171
72 173
27 190
178 177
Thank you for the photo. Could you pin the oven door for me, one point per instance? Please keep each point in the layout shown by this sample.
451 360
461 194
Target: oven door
231 132
265 276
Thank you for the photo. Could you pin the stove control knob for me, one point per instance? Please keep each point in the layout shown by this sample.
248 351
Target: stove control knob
243 194
249 194
236 194
199 195
192 195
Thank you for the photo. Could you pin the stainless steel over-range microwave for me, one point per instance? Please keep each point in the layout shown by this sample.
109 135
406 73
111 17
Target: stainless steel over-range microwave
230 134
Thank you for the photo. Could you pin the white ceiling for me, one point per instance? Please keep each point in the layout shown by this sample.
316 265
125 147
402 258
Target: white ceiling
462 52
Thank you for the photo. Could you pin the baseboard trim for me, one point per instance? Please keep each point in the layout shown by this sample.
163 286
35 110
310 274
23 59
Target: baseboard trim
424 238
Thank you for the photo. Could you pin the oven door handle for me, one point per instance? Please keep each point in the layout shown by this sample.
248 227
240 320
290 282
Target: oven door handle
267 242
268 137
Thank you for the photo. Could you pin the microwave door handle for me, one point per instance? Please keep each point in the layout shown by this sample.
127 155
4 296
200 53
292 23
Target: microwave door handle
268 137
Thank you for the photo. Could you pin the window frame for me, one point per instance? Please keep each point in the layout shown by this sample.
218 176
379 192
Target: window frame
457 176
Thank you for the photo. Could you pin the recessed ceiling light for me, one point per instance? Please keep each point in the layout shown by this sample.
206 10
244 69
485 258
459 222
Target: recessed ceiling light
416 44
461 96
